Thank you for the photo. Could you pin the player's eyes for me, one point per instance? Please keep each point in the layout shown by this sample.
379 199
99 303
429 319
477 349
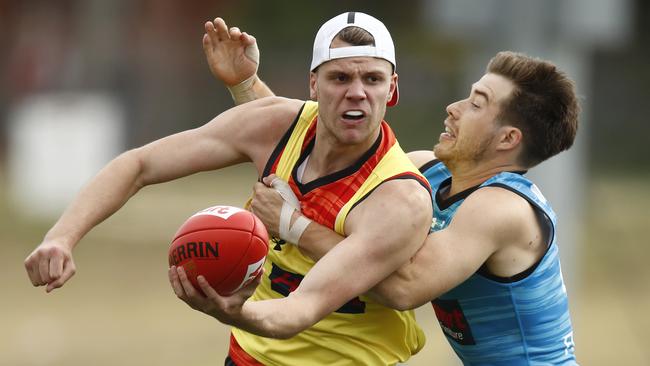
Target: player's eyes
374 79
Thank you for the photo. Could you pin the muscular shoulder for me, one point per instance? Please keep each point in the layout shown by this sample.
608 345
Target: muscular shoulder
410 192
273 110
398 201
278 104
254 128
261 114
510 226
498 213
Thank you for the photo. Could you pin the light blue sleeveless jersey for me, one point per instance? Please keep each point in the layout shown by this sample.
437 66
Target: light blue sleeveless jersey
490 320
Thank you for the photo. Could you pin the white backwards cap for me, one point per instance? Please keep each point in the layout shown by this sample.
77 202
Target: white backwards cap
383 47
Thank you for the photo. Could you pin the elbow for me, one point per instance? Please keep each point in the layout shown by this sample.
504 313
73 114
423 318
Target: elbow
402 301
277 318
285 328
394 297
402 306
266 329
403 290
284 332
132 162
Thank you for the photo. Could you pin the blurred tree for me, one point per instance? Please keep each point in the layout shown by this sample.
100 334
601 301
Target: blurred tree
620 107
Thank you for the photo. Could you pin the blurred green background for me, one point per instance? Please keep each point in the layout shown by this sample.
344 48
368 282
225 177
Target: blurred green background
81 81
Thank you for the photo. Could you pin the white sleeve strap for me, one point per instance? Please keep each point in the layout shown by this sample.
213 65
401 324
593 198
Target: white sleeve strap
288 232
285 220
297 229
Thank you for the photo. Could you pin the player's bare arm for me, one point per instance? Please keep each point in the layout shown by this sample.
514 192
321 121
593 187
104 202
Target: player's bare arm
493 226
222 142
383 232
480 236
233 58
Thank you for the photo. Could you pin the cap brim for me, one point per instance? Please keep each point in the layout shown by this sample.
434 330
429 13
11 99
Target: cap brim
395 98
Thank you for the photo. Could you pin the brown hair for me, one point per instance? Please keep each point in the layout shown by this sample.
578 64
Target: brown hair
356 36
543 105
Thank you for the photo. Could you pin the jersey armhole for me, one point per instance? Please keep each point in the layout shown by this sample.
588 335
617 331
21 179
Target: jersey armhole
546 227
268 169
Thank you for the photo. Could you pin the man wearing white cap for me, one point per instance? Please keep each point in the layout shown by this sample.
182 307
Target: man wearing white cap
342 162
490 268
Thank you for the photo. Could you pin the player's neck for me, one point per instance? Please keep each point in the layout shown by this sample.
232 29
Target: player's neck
470 175
327 158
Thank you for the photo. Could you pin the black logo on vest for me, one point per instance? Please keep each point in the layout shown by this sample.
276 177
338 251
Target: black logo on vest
452 321
285 282
278 243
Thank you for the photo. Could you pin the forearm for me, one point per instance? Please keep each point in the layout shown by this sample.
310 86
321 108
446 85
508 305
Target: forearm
396 291
101 197
278 318
318 240
427 275
260 89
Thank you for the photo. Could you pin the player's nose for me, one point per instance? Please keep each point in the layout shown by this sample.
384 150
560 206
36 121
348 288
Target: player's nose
356 90
452 110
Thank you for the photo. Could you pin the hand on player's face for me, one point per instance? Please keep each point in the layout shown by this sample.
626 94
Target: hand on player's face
223 308
232 55
50 264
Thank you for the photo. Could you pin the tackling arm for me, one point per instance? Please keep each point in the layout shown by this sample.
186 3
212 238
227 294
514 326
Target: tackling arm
450 256
446 259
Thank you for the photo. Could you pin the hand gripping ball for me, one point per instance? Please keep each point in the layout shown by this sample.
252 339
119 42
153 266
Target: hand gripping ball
225 244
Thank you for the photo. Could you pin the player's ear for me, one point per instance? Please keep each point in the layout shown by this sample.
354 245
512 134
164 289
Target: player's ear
509 137
392 98
313 95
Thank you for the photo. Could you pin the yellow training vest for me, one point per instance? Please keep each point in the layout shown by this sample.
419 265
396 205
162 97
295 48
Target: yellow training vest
362 332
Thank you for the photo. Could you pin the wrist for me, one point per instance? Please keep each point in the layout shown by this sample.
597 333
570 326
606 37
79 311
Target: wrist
63 241
229 314
244 92
298 226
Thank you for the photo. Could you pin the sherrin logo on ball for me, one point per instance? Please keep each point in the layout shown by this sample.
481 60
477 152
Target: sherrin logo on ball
225 244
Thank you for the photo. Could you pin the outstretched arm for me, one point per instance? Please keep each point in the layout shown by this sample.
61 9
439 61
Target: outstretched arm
233 58
222 142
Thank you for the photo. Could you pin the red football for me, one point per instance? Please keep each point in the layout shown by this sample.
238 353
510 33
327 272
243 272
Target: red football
225 244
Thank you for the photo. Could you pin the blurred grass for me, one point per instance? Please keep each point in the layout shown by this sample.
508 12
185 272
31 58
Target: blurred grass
611 307
119 309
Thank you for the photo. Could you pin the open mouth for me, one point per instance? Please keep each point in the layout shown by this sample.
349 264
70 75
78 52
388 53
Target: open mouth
354 115
449 132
